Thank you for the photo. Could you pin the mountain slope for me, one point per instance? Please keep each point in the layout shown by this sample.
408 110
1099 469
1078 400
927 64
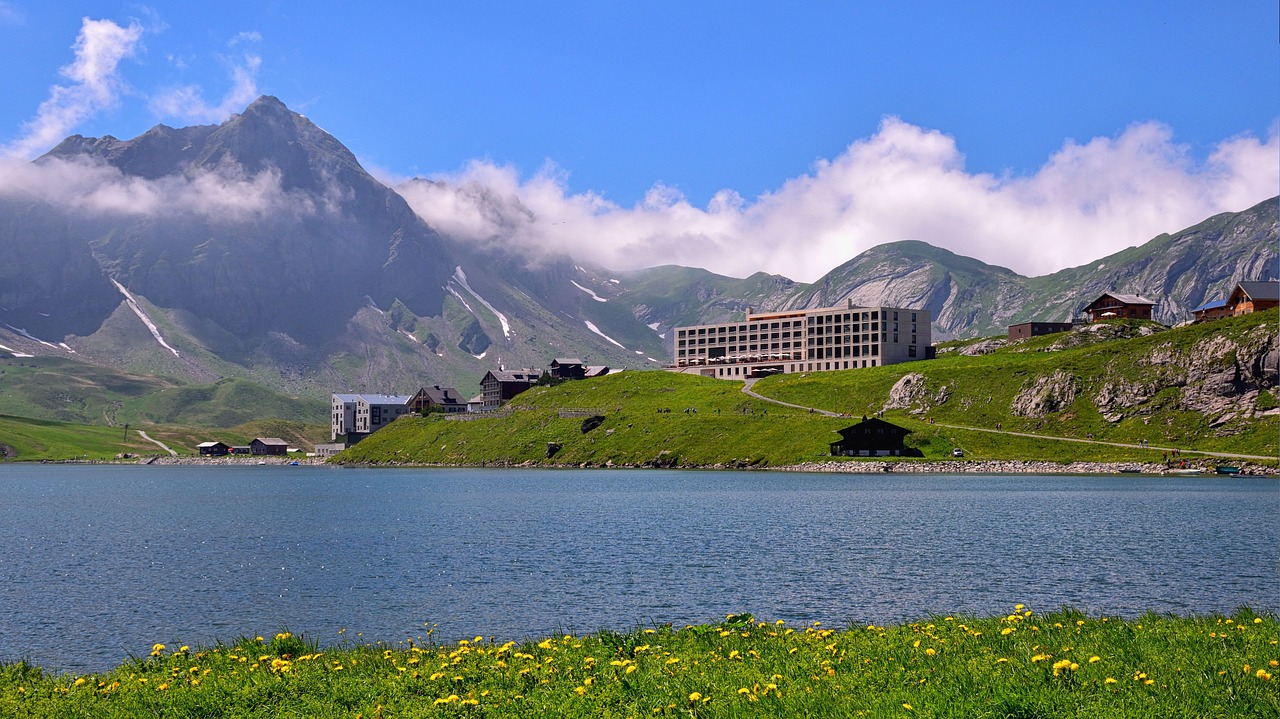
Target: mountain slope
260 249
970 298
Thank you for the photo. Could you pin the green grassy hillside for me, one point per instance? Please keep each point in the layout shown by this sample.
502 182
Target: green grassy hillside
958 398
26 439
64 390
1160 374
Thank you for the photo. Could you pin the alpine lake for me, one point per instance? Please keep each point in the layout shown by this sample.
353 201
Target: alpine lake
102 561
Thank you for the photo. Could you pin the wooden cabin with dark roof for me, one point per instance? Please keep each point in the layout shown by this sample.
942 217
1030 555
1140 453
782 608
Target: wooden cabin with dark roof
873 438
437 399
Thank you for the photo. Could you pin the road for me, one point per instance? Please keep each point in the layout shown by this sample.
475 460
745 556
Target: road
162 445
748 384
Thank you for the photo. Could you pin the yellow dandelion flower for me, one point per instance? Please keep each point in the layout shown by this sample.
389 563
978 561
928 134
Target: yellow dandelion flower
631 668
694 696
1095 658
906 706
1264 675
1007 631
930 651
1109 680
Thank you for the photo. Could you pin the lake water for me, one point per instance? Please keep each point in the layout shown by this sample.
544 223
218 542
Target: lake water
100 562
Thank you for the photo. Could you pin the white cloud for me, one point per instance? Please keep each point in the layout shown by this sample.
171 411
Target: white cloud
187 102
247 36
96 84
905 182
97 189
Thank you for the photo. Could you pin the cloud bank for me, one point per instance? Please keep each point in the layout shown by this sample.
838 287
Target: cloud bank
96 190
95 85
905 182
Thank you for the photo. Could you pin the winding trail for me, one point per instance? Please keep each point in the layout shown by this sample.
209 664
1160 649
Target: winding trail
162 445
748 384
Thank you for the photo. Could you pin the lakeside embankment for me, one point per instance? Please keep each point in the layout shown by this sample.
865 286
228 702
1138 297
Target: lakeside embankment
847 467
1026 467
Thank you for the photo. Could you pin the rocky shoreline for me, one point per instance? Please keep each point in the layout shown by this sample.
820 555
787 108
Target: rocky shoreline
1021 467
960 466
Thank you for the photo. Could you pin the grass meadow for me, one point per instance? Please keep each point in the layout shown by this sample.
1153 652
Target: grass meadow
1021 665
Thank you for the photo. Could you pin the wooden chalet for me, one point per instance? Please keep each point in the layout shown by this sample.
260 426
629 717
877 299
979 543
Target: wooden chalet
1215 310
1250 297
567 368
873 438
1115 306
437 399
213 449
269 445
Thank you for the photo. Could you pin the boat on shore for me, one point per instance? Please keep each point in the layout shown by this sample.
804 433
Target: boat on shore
1228 470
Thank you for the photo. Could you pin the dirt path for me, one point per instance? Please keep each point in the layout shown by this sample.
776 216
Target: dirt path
748 384
162 445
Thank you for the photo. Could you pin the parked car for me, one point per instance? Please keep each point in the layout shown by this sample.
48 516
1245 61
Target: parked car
957 452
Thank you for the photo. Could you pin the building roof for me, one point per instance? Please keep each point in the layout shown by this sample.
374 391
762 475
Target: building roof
442 395
1261 290
384 398
1127 299
271 441
563 361
873 426
596 371
524 375
211 444
1213 305
374 398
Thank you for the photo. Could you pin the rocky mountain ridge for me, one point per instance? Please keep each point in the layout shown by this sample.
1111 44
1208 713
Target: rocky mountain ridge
260 248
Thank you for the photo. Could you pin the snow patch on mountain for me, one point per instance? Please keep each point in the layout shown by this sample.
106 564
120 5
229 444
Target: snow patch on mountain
137 310
461 278
14 352
594 296
30 336
595 329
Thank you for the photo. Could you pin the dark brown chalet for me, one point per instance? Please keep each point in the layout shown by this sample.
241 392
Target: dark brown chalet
1115 306
873 438
567 368
437 399
501 385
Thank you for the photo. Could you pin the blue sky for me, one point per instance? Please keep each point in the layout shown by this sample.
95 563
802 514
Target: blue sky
724 116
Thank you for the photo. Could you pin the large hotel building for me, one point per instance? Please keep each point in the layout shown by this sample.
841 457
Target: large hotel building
827 338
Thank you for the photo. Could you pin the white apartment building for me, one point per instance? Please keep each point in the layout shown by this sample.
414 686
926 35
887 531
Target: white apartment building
815 340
